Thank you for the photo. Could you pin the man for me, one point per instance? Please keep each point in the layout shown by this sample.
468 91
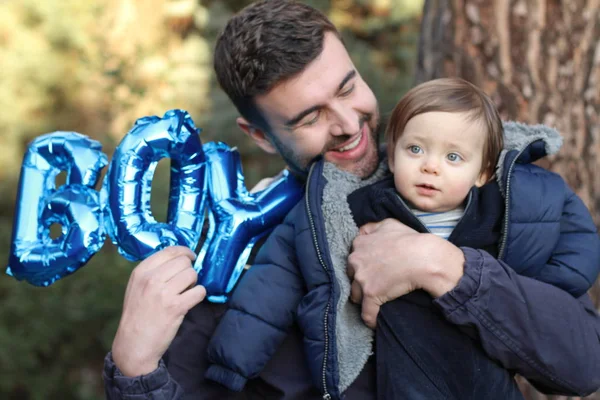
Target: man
285 68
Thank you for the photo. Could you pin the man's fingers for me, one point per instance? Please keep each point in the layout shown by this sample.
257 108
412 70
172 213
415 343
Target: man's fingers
350 271
171 268
356 292
388 224
193 296
183 280
262 185
370 310
165 255
369 228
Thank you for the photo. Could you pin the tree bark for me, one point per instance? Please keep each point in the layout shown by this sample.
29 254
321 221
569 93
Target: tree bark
539 60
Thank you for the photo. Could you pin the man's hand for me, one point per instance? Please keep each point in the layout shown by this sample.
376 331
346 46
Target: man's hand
159 293
265 183
389 260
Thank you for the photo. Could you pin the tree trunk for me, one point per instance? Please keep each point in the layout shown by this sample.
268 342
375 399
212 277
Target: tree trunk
540 62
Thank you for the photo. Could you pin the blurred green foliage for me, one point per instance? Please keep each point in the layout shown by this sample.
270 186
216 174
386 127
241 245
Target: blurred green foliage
94 67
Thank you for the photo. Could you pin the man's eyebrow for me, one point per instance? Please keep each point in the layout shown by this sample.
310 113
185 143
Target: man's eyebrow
290 123
348 76
298 117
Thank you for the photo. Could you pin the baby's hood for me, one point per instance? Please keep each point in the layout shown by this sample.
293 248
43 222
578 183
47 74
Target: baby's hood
532 142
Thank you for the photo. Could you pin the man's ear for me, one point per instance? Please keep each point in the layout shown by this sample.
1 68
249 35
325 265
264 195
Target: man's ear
258 135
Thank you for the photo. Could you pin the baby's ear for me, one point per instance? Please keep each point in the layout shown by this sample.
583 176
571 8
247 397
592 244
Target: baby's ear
483 178
391 162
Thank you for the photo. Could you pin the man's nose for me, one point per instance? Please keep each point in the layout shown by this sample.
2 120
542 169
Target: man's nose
430 166
346 121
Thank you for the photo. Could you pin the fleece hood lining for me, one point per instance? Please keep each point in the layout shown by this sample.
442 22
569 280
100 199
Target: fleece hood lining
517 136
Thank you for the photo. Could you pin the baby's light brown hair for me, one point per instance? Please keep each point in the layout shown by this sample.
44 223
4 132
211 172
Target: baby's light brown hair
450 95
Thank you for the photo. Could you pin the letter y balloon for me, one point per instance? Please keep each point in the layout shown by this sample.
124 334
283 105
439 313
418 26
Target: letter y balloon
237 219
200 175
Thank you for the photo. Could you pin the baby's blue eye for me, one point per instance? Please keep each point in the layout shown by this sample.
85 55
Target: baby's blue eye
454 157
415 149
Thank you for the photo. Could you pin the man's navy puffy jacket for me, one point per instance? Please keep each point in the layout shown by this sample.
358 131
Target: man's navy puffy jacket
548 235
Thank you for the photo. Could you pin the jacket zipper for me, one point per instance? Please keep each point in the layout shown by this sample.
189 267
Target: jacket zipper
506 201
326 395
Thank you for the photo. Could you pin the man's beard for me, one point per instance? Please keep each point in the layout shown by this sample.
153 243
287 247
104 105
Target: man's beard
299 166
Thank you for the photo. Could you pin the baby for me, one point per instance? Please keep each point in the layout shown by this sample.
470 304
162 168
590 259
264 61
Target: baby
460 173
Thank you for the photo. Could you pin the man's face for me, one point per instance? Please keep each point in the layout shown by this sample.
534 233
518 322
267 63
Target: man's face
438 159
327 109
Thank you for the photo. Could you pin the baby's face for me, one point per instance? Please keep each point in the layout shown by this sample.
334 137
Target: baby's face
438 159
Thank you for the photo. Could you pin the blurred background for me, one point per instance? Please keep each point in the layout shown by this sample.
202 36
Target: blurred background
95 66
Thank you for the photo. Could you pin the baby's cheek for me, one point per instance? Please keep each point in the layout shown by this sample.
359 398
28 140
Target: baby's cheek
401 184
459 191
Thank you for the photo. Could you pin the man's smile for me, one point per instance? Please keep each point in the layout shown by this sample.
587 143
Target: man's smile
353 149
352 144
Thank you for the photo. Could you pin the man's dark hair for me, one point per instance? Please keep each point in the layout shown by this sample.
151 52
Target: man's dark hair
265 44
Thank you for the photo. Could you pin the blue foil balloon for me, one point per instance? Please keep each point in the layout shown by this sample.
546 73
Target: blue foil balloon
127 186
34 256
237 219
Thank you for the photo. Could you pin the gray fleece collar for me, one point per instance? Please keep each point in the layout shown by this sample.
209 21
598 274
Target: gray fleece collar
353 338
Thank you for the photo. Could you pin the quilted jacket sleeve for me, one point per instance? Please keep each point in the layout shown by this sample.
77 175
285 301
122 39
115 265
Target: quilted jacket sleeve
157 385
531 327
261 311
575 261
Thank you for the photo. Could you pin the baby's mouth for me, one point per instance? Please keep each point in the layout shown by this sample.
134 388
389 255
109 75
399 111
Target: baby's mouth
427 186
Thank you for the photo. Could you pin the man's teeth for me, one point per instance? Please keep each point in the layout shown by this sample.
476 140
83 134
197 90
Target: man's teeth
351 145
